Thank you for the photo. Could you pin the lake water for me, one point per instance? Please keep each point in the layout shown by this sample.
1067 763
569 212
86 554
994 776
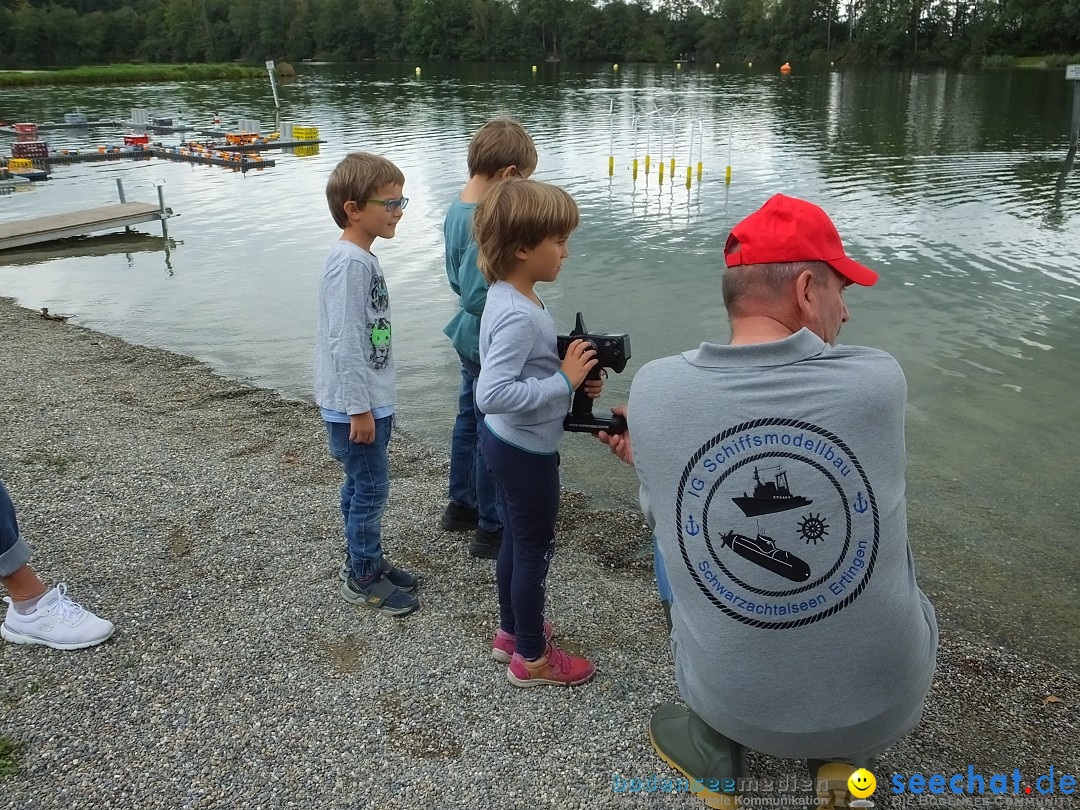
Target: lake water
948 183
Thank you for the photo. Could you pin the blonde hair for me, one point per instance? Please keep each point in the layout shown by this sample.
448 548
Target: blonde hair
518 214
766 280
355 178
499 143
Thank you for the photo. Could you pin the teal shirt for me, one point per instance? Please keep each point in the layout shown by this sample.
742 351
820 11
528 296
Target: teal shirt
465 279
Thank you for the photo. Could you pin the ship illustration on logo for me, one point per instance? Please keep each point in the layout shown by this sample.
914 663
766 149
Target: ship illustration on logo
770 496
762 551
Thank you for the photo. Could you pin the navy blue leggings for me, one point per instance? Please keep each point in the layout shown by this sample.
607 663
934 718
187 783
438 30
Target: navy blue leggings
529 487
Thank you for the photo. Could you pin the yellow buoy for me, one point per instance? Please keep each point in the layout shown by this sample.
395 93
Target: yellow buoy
615 66
718 64
678 65
660 172
727 175
534 68
418 71
635 168
699 170
749 64
688 174
611 165
673 168
647 164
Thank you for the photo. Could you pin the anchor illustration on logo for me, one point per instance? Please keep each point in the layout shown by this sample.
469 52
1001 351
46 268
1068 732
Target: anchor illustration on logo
691 527
860 504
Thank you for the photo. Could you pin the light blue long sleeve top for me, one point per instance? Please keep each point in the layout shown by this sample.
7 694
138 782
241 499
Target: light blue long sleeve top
354 363
521 388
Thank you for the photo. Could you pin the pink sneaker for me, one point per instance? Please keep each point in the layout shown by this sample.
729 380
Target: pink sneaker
554 668
502 648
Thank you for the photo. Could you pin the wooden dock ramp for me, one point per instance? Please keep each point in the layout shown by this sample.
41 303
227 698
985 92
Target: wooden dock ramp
76 223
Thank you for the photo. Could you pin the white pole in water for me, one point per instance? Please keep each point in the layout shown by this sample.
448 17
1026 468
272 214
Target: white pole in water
273 84
690 151
648 139
674 115
700 143
1072 73
611 139
660 128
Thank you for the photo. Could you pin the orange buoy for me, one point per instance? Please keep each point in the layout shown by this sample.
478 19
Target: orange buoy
785 68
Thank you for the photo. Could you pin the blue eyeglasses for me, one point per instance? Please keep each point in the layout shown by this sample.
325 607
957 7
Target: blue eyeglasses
392 204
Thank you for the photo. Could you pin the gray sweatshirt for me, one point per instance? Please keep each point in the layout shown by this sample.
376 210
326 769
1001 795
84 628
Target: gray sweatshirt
773 477
521 388
354 365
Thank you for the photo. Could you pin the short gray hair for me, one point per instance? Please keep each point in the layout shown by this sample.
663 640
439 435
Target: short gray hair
766 280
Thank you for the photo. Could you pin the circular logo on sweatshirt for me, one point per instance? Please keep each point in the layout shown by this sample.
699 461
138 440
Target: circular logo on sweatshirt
777 523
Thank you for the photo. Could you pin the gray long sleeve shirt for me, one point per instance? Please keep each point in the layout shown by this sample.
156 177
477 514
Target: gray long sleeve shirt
521 388
773 477
354 364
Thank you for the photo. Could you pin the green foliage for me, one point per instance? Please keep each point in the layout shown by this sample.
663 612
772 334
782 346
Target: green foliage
9 756
64 33
130 73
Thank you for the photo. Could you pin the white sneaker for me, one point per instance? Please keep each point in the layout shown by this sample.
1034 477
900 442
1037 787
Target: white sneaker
56 622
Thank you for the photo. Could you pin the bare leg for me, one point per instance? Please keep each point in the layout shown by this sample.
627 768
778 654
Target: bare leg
24 584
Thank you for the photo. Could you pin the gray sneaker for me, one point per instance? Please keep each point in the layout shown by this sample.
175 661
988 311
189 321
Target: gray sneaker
380 595
399 576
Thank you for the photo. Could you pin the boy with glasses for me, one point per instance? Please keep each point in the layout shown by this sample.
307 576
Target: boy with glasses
500 148
354 374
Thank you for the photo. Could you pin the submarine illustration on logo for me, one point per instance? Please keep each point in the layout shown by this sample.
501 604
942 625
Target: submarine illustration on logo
770 496
762 551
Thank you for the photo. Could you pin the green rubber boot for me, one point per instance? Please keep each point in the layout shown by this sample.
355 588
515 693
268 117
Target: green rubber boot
686 743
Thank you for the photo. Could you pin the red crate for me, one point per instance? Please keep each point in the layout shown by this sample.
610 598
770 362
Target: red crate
30 149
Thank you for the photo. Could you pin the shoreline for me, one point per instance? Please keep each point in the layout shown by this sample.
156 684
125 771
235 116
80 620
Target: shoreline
198 514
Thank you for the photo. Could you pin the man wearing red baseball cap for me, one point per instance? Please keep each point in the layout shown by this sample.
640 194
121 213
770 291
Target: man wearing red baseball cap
774 484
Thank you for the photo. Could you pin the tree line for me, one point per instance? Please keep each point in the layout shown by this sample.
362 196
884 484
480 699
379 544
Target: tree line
59 33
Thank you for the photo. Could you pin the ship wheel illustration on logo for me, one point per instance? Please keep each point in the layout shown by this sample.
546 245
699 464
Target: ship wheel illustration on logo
777 523
813 528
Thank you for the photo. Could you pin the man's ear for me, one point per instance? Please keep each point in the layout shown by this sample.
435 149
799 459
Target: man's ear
805 294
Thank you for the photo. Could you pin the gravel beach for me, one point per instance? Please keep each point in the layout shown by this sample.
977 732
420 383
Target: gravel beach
199 514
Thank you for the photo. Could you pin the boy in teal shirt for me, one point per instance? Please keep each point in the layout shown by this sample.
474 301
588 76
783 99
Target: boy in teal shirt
499 149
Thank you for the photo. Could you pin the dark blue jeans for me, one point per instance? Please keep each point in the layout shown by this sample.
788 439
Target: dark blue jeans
14 552
529 488
364 493
471 484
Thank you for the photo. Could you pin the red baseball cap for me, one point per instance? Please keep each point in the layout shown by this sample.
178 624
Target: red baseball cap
785 229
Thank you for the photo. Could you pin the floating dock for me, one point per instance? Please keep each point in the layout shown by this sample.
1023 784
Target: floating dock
229 160
259 145
208 157
78 223
51 125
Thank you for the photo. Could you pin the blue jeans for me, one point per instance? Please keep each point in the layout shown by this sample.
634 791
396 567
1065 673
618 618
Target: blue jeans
529 486
364 493
14 552
471 484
